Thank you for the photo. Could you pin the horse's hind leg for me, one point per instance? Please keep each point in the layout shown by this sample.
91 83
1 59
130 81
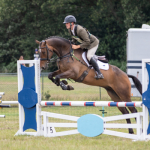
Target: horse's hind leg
132 109
124 93
123 110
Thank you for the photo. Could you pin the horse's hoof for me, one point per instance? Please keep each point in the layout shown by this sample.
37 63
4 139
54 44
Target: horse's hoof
65 82
57 83
69 87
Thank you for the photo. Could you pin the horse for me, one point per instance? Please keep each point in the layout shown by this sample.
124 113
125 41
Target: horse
72 66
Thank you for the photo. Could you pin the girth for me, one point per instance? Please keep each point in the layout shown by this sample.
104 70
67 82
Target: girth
84 74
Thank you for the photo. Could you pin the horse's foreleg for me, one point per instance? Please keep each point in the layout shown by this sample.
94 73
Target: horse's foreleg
67 74
53 74
50 76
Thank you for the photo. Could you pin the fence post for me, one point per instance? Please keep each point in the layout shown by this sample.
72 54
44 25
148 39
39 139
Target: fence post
42 85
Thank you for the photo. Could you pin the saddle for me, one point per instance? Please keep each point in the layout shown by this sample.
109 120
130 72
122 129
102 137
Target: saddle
99 58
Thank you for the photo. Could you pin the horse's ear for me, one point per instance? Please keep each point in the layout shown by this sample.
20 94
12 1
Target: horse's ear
38 42
44 42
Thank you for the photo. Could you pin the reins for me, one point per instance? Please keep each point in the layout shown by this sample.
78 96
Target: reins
68 55
78 59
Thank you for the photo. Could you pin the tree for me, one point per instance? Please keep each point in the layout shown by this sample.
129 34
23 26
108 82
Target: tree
136 13
23 21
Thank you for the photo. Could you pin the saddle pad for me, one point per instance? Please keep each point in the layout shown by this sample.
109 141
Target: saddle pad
104 66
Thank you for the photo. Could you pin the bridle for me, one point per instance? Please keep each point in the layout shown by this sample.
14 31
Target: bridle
69 54
47 49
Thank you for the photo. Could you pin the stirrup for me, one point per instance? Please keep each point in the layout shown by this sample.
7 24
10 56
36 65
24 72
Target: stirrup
99 76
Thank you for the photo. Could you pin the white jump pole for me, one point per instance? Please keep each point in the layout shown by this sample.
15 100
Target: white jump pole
2 93
2 116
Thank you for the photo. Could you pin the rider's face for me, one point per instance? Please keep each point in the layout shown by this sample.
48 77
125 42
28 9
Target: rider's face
68 25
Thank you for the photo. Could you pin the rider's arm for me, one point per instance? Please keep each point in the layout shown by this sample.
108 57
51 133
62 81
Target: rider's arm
76 46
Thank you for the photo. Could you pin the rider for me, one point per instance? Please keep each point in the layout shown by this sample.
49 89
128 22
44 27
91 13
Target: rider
89 41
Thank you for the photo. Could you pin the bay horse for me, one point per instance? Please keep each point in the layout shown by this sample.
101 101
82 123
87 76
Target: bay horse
72 66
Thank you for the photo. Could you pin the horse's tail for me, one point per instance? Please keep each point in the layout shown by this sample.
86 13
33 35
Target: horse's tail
137 83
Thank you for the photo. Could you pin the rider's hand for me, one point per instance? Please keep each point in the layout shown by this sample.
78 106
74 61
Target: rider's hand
75 46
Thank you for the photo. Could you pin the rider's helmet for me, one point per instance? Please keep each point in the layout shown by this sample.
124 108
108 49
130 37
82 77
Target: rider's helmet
69 19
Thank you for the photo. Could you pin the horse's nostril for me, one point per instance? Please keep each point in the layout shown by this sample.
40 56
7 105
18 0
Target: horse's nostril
43 68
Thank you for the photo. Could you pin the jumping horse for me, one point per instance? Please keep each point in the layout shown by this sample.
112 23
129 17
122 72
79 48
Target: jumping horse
72 66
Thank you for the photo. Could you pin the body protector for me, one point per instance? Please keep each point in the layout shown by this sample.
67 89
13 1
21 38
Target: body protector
76 39
83 38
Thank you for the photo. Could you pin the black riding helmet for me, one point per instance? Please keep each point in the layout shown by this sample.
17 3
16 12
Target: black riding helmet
69 19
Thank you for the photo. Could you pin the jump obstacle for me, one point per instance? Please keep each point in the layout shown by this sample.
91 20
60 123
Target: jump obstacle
2 106
31 116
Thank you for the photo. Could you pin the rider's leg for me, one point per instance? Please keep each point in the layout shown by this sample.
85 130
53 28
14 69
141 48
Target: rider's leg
93 62
96 67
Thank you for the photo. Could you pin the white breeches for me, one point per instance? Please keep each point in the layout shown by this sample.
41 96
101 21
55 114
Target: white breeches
91 52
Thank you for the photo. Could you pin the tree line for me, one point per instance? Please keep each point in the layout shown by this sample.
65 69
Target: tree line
23 21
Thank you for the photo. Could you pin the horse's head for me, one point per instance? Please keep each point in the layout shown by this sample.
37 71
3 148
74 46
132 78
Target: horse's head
60 46
45 52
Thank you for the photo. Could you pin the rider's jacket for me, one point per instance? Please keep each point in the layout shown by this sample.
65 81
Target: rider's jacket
88 40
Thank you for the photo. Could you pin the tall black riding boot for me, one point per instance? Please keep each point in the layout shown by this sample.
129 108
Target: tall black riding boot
96 67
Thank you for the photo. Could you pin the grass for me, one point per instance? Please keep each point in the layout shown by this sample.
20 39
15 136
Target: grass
9 125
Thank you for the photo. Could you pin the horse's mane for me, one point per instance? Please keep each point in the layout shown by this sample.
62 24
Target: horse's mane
58 37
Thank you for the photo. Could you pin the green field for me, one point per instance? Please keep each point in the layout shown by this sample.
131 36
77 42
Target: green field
9 125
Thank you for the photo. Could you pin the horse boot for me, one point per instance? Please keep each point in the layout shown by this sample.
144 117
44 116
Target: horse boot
96 67
63 86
